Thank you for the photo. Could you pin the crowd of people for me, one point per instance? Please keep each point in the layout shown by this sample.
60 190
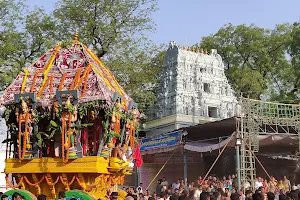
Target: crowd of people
213 188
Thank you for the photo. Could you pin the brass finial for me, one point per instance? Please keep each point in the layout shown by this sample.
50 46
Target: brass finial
205 51
189 48
75 36
179 47
68 102
201 51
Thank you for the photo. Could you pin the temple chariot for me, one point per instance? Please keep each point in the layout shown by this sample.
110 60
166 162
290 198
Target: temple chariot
65 113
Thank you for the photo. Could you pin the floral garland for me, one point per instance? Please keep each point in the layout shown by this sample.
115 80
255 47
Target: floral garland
51 184
67 184
107 179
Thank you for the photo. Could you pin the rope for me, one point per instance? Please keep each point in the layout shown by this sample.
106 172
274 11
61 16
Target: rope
161 169
216 159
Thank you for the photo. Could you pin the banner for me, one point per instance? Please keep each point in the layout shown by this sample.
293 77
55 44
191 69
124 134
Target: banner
163 141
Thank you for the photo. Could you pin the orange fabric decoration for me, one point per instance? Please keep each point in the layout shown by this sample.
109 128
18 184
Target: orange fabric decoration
43 88
85 81
61 84
132 129
86 70
51 83
22 154
75 80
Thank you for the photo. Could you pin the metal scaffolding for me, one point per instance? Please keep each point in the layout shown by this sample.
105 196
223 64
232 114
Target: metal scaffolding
263 118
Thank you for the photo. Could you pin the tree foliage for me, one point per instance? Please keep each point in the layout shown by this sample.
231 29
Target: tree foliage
24 35
255 59
293 75
106 25
138 71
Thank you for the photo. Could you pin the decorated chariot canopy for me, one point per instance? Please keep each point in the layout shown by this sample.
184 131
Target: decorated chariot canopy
59 69
67 111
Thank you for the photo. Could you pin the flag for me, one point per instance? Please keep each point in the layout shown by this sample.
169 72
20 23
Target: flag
137 156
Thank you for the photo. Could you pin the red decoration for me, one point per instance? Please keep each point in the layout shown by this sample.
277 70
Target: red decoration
137 156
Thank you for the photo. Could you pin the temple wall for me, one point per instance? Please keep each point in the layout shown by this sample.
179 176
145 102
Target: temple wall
193 84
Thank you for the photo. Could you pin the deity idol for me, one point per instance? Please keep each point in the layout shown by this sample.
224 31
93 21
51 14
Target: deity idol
25 120
69 116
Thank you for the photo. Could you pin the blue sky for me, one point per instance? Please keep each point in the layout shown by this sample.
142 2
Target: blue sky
186 21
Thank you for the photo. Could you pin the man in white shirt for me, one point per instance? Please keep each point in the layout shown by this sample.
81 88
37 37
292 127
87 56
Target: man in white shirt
164 182
176 185
198 192
258 183
139 189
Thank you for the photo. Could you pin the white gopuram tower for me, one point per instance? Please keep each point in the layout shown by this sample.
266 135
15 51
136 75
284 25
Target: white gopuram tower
193 89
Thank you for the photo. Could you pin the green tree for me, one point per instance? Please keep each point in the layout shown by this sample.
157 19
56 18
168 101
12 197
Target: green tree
106 25
24 35
254 58
138 72
115 31
293 75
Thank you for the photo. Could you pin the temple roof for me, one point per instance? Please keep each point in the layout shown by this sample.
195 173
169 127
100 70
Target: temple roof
73 68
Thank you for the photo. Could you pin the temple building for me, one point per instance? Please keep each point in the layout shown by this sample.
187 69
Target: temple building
193 89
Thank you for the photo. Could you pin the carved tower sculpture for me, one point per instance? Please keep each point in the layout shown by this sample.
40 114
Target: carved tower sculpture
193 84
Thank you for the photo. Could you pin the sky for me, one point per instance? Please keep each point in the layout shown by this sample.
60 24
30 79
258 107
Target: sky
186 21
